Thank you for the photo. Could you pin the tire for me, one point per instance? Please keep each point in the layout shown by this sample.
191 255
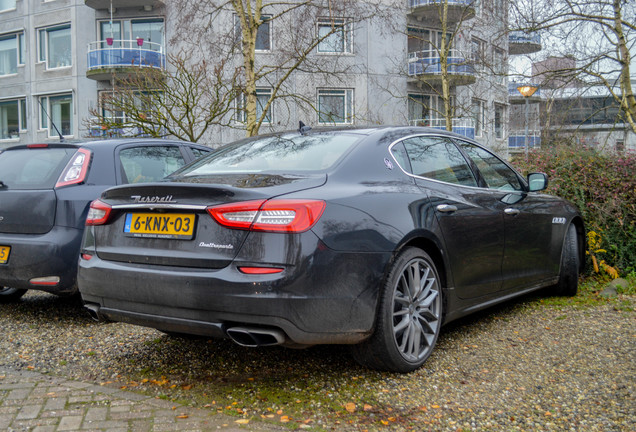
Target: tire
8 295
568 283
409 316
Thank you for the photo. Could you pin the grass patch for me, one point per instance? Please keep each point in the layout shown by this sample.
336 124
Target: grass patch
589 295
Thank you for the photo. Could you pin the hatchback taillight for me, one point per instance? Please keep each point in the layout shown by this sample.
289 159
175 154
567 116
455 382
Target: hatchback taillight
76 169
98 213
277 215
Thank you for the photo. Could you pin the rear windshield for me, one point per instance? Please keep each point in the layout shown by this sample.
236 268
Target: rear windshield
33 168
290 152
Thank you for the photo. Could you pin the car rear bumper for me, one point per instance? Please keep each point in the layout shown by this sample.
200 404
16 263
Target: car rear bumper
307 303
53 254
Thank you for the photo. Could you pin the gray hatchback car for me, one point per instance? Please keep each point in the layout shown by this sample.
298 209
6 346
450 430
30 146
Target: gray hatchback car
45 192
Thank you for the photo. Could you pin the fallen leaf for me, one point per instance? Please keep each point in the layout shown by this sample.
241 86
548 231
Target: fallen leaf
350 407
384 422
284 419
182 416
367 407
186 387
242 421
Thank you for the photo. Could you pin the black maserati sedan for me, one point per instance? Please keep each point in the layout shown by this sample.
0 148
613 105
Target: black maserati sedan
372 237
45 192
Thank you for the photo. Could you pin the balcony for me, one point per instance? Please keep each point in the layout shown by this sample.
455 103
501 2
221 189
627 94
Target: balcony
520 42
429 11
118 57
119 128
427 65
514 97
517 140
146 5
461 126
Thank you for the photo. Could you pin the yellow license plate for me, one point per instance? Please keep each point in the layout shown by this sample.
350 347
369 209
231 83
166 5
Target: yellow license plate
160 225
4 254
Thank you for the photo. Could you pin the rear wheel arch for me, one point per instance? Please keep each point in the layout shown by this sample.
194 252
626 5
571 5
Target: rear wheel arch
432 248
582 241
429 244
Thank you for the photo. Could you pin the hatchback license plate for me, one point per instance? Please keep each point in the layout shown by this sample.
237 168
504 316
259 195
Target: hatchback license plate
165 225
4 254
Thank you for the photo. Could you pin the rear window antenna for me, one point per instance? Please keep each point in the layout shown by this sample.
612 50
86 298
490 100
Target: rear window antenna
51 120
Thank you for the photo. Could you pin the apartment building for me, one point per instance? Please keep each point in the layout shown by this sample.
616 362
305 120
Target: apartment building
57 57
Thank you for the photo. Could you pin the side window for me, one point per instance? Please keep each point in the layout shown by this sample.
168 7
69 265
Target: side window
438 158
150 163
495 172
197 152
399 154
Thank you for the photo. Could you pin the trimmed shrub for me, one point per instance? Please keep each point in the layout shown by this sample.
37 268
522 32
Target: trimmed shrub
603 187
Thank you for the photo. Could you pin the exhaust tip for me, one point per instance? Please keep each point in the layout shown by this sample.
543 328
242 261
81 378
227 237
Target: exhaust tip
93 311
255 337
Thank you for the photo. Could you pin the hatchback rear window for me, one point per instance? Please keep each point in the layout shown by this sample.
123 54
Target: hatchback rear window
29 169
290 152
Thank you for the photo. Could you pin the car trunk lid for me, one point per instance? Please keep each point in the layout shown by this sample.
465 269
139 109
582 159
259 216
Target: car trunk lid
168 224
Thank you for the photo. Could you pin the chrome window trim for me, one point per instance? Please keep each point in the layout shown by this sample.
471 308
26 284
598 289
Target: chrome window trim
427 134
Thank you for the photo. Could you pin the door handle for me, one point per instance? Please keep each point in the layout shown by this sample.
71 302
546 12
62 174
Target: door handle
446 208
512 211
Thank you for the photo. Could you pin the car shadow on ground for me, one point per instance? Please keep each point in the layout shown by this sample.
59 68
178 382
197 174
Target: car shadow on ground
142 352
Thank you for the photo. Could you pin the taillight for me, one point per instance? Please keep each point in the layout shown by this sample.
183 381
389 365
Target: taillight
98 213
76 169
277 215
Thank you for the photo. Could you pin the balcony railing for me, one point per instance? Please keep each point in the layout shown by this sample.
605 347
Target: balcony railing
430 10
118 129
461 126
523 37
417 3
517 140
429 62
520 42
114 53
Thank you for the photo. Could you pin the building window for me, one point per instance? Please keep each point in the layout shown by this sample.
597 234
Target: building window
7 5
126 33
57 112
335 35
477 52
419 110
262 96
479 116
499 66
12 118
335 106
500 120
11 53
426 43
428 110
263 34
620 146
55 46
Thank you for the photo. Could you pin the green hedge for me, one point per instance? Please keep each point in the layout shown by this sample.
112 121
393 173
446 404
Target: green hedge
603 187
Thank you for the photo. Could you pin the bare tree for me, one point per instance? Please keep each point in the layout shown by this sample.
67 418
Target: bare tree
182 101
243 27
599 34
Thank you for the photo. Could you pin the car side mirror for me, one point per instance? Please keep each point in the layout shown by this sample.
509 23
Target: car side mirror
537 182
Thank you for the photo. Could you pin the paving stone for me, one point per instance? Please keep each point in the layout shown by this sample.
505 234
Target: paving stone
29 412
36 402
